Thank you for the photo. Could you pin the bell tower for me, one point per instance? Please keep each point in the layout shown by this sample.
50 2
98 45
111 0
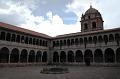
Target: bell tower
91 20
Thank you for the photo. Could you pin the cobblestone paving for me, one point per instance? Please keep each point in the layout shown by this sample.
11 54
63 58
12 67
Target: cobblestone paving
75 72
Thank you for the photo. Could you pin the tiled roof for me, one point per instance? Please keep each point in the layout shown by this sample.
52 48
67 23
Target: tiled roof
86 33
22 30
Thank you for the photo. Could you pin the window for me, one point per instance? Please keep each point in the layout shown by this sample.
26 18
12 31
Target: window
89 17
93 25
85 26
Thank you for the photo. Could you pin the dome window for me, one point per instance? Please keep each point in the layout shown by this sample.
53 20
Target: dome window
89 17
85 26
93 25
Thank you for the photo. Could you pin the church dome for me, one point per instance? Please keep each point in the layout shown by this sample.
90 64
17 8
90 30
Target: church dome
91 10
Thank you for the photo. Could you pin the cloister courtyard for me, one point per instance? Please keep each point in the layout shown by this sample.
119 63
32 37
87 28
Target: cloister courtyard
75 72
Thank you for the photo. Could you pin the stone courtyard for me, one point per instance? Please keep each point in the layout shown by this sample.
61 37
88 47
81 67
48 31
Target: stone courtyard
75 72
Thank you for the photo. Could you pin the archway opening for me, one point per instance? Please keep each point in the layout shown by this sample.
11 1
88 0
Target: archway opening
79 56
109 55
62 56
4 55
98 56
14 56
70 56
23 56
118 55
31 56
38 56
44 57
55 57
88 56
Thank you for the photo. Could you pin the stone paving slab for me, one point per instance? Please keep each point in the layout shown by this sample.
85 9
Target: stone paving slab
75 72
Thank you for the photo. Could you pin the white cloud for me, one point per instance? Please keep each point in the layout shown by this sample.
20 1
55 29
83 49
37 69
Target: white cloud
53 26
21 14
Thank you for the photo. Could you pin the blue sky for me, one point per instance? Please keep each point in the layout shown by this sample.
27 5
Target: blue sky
56 17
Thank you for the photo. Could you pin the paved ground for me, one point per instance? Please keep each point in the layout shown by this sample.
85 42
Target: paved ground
75 73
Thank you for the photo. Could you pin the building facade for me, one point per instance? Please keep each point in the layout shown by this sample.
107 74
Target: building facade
18 45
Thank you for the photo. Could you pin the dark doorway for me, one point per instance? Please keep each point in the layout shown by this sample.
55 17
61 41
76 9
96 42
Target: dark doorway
55 57
4 55
118 55
70 56
23 56
62 56
109 55
44 57
38 56
31 56
79 56
88 57
98 56
14 56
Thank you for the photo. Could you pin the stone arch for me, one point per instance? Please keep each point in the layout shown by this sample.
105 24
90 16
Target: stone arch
105 39
26 40
118 55
13 38
54 44
44 56
76 41
100 39
61 43
81 40
30 40
55 57
95 39
117 38
4 55
62 56
8 36
85 40
14 56
111 38
38 56
64 43
31 57
46 43
88 55
78 56
22 39
34 41
72 41
57 42
40 42
68 42
98 56
18 38
2 36
90 40
109 55
23 56
37 41
70 56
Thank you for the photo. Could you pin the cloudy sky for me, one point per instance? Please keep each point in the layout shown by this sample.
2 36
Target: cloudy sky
56 17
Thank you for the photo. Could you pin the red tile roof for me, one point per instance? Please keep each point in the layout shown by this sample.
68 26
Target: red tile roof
86 33
22 30
19 29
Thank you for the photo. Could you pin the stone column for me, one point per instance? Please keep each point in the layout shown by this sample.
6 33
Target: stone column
9 59
19 58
